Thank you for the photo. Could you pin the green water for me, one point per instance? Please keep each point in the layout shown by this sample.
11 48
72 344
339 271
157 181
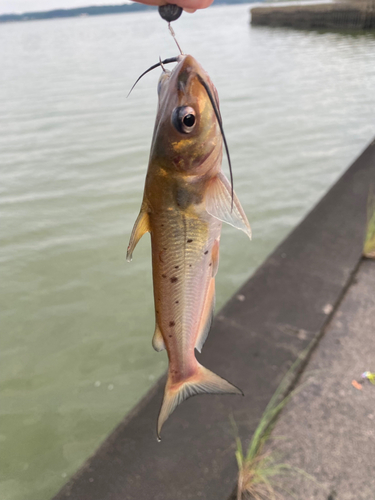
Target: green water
76 319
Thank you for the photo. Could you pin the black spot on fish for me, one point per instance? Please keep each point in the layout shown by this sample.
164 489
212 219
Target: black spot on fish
176 302
164 248
189 241
189 265
163 275
174 279
183 198
210 264
172 323
206 252
170 336
162 225
176 267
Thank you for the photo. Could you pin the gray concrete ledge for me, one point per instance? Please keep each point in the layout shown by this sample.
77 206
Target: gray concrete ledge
253 341
337 16
328 426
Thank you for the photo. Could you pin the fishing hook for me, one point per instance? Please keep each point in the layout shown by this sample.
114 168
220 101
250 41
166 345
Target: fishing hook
162 65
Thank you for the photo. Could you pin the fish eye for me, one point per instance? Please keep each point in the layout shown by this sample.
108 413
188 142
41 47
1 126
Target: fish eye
183 119
189 120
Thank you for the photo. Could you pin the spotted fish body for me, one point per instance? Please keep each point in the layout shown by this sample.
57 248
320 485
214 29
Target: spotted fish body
186 199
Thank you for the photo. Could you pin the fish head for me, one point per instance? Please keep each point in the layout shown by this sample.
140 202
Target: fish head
187 136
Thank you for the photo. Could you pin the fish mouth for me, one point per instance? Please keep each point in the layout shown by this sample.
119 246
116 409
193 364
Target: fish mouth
186 69
186 66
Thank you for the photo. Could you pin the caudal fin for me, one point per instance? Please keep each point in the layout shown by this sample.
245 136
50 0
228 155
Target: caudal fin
203 381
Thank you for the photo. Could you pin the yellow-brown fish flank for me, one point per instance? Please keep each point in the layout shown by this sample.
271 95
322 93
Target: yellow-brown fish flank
186 199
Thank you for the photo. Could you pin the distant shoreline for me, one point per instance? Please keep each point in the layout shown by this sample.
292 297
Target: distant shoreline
99 10
77 12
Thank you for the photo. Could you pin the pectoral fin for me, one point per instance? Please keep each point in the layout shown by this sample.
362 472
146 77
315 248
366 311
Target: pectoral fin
141 226
158 341
219 204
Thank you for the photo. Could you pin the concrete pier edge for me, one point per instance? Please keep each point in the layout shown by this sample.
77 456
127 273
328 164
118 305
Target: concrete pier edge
283 308
346 16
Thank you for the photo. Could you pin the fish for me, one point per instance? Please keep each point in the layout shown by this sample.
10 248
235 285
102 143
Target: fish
186 199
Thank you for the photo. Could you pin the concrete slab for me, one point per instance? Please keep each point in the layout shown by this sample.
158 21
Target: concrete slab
329 16
253 341
328 427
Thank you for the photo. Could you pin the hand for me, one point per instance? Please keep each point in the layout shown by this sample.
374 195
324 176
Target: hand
187 5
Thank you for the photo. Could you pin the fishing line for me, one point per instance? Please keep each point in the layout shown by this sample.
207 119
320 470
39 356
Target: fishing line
174 38
217 113
170 12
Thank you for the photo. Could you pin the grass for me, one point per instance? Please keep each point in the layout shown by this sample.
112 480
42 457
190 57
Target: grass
369 246
257 467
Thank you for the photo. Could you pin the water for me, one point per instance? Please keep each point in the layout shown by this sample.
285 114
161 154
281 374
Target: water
76 319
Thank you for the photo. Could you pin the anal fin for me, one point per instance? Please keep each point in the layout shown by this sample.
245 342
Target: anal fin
215 257
207 315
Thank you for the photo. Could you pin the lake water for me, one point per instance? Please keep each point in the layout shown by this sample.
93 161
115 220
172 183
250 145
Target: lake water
76 318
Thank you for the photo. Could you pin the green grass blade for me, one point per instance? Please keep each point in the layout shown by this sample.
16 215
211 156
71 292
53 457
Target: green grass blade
369 245
256 468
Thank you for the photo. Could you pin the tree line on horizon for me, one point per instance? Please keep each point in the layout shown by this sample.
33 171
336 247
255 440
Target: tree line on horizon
95 10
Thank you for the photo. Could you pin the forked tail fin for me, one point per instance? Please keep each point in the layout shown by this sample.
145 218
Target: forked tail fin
203 381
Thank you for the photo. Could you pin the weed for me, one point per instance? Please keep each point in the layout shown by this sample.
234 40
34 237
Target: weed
369 246
258 467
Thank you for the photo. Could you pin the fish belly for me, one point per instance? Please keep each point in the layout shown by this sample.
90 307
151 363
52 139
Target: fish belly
182 258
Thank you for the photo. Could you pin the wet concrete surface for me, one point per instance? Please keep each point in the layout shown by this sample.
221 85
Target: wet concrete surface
328 427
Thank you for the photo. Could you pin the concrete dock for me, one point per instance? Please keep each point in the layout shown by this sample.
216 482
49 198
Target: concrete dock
328 427
354 15
300 295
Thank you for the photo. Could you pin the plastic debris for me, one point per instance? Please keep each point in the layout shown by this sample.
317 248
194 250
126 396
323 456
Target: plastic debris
369 376
357 385
365 376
